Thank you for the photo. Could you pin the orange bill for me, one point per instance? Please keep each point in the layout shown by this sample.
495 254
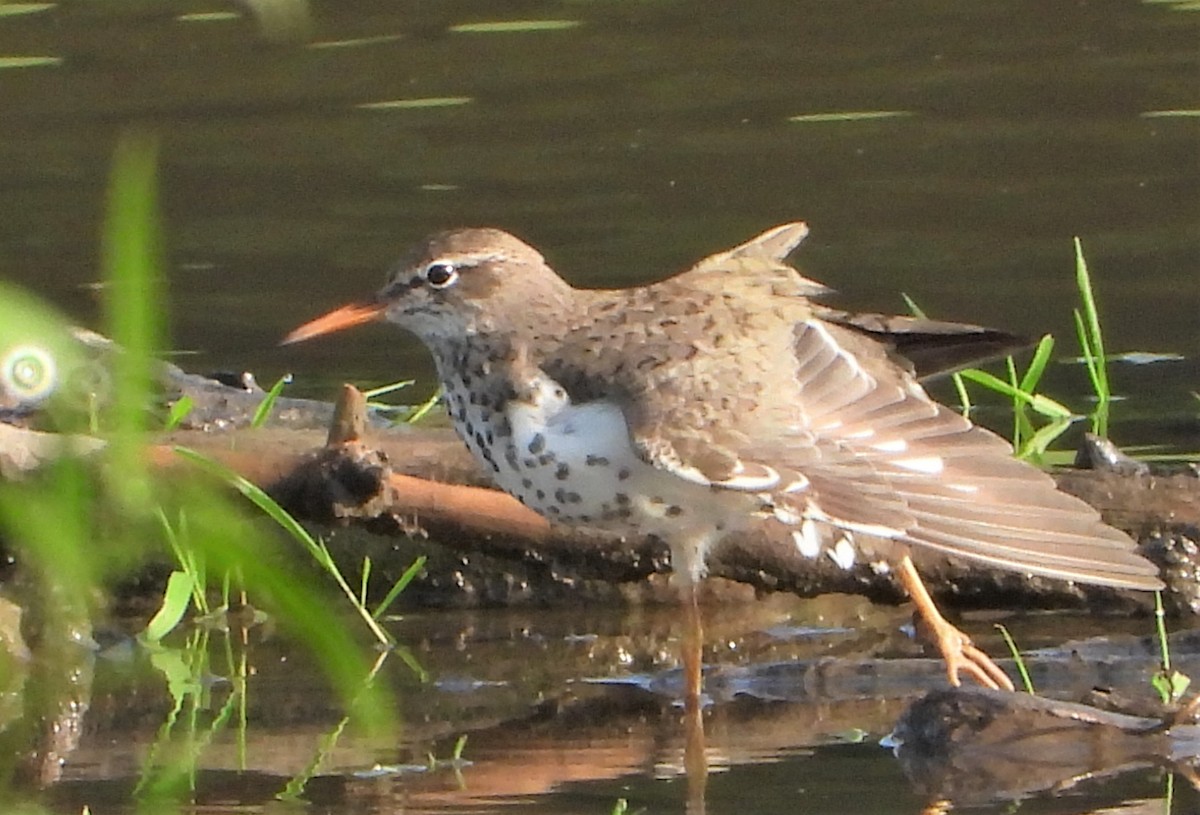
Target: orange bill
344 317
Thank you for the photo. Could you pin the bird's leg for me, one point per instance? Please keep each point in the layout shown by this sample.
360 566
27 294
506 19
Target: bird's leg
693 646
957 649
695 754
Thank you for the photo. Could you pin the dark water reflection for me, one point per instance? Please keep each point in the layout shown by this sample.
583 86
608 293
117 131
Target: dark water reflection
626 146
566 711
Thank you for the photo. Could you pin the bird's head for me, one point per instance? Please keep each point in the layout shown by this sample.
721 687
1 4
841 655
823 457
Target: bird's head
451 285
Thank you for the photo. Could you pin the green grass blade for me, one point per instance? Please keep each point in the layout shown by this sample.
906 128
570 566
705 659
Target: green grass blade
176 599
1091 361
1042 404
1022 427
1038 442
263 411
133 300
256 496
1089 358
913 308
1037 365
1016 655
382 389
964 397
187 556
179 411
424 408
1091 321
1091 342
285 521
1095 369
400 585
364 582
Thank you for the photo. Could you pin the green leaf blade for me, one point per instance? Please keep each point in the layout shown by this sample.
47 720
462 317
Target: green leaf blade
176 599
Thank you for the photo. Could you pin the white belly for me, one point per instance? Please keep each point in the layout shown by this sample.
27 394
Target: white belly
576 464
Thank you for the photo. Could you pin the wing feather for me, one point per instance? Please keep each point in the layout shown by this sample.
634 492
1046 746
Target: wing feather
739 384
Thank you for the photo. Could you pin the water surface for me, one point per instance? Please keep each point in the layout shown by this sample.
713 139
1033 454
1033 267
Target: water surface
304 145
626 139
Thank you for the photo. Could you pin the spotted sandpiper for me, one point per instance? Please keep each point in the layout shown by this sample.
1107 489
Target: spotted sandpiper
726 398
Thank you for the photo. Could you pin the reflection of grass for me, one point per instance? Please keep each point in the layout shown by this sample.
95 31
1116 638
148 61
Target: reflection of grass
79 525
295 786
169 770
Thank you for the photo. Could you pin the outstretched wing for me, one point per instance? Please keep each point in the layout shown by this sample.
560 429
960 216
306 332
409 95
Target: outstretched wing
739 384
863 449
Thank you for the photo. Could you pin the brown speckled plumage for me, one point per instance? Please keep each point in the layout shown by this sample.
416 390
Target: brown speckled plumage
724 397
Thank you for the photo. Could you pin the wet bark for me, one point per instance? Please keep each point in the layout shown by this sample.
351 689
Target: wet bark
976 745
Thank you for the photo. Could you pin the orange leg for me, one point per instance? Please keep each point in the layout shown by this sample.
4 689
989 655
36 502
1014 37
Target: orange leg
693 646
956 647
695 752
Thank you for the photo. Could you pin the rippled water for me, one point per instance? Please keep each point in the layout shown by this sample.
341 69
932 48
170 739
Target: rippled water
304 145
626 141
564 711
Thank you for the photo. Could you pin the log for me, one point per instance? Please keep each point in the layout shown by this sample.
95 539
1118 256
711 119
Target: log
401 480
973 745
422 485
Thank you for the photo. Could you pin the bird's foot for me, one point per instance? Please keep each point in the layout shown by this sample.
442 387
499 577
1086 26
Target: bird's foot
962 656
959 653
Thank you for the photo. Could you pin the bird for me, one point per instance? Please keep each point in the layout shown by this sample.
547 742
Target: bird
728 397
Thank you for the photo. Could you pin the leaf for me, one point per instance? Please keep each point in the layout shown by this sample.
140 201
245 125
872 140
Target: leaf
1042 404
284 519
399 586
176 598
263 411
1037 444
1170 686
179 411
1091 341
1037 365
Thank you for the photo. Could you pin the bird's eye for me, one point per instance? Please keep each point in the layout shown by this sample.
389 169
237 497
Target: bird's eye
440 275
